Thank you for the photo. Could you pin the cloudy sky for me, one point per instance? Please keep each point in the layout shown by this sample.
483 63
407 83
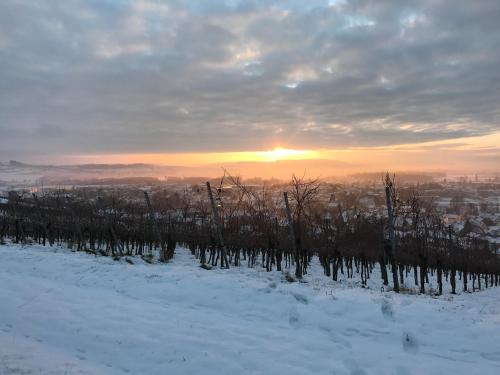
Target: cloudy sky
97 77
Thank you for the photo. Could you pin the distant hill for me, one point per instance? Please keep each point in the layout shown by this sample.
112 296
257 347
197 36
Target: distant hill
113 173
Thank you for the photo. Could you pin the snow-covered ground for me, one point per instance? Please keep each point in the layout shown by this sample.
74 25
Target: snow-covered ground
74 313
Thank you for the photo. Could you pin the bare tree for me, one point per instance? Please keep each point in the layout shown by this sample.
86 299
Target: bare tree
303 192
390 195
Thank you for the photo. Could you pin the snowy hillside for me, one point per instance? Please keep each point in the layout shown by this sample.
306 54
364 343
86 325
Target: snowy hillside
73 313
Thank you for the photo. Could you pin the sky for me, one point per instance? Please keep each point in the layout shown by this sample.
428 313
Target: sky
371 82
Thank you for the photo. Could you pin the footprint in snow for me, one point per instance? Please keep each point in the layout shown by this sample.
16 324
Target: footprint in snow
335 337
301 298
293 317
387 309
410 343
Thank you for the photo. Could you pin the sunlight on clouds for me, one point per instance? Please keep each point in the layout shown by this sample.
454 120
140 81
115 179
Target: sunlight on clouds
358 21
332 66
339 128
406 126
336 3
300 74
458 144
245 53
412 20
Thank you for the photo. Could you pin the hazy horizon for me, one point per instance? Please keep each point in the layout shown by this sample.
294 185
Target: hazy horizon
470 155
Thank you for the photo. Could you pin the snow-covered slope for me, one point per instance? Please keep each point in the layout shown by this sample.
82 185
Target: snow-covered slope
73 313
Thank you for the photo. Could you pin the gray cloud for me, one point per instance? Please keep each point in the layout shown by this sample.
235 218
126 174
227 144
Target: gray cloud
135 76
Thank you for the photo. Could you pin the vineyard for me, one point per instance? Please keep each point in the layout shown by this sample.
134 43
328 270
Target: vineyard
227 223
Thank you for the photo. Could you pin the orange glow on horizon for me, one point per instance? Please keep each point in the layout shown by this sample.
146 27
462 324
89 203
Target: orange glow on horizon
202 158
468 152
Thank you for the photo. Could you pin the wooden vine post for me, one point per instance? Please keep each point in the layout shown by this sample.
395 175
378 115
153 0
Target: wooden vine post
392 235
218 226
156 228
292 233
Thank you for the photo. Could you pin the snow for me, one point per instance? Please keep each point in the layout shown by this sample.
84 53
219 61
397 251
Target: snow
73 313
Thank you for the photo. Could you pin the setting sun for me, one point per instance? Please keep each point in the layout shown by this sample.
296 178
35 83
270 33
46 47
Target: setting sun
281 153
